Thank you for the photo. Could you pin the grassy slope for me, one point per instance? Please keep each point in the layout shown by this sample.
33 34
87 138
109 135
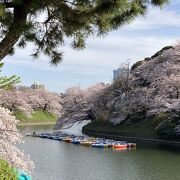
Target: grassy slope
143 129
37 116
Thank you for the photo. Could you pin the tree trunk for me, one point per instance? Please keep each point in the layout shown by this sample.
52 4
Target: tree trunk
8 42
15 30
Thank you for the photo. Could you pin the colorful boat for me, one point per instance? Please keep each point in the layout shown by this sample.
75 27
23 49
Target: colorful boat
86 143
58 138
50 137
76 141
120 149
99 145
44 135
119 146
67 139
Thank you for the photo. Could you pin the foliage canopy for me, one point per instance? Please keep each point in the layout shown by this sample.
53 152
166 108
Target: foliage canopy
8 82
21 21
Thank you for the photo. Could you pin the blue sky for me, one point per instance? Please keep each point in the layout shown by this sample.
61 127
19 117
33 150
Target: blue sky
142 38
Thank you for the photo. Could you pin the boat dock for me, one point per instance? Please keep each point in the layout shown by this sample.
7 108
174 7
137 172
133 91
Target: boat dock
86 141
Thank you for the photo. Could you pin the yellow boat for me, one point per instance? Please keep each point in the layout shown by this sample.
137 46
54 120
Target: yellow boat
67 139
86 143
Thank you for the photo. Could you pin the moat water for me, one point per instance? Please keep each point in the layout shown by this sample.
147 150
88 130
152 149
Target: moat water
56 160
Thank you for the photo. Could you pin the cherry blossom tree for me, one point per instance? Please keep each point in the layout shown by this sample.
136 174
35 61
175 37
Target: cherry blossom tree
15 100
45 100
160 76
78 105
9 136
152 87
28 100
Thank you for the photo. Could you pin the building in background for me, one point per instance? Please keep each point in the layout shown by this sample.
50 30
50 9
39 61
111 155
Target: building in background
37 86
122 71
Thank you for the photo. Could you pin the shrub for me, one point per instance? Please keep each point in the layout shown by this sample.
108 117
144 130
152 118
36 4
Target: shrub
6 171
171 128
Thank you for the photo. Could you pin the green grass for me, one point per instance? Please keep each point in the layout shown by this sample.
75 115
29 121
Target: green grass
20 115
37 116
141 129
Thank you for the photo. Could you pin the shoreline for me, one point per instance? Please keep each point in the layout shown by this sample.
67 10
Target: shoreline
36 123
145 141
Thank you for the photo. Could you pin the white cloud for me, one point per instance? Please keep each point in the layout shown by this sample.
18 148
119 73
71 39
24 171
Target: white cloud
111 51
156 18
100 53
101 56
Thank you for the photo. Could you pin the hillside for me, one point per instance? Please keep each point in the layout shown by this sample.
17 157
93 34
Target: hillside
147 102
144 102
37 116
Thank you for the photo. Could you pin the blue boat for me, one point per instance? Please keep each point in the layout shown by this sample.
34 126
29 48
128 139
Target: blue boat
58 138
76 141
44 135
99 145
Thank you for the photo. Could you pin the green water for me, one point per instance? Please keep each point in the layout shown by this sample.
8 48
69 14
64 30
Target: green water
56 160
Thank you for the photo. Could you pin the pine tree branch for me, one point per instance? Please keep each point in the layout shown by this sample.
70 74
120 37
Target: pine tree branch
7 4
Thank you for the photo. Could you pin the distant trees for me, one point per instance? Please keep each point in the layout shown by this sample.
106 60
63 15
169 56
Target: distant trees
28 100
20 22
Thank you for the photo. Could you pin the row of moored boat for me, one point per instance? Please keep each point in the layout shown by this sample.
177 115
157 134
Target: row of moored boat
86 141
